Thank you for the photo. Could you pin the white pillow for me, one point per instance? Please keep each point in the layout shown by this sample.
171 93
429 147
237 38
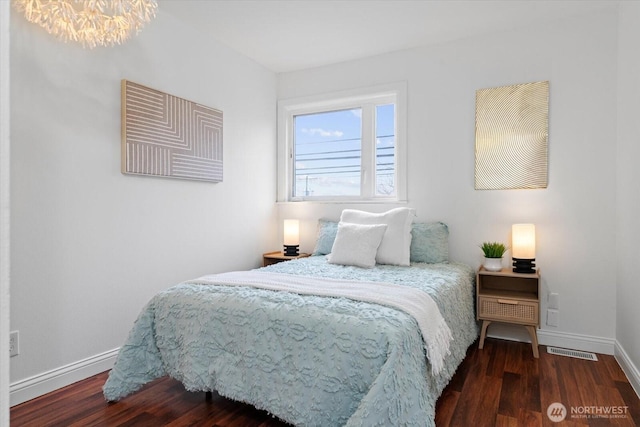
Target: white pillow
396 243
356 244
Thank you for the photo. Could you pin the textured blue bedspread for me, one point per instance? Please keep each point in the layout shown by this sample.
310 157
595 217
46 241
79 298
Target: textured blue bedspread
309 360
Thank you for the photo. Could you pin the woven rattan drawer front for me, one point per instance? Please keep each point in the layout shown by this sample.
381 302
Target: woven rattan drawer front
509 310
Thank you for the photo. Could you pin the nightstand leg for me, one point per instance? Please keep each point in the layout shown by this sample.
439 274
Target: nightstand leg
483 333
534 340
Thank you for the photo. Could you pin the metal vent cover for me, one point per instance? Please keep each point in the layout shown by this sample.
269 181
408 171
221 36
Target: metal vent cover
572 353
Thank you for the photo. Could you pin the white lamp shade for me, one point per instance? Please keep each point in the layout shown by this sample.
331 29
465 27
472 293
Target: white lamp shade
291 232
523 241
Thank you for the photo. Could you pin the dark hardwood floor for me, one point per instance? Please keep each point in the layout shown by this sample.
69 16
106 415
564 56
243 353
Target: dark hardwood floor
501 385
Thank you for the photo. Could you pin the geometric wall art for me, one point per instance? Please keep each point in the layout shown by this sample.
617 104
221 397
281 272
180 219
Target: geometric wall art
512 135
167 136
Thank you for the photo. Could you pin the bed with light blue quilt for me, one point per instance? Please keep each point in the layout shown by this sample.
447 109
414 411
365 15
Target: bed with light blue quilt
309 360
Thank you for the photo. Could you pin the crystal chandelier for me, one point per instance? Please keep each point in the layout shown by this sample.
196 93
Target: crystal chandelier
90 22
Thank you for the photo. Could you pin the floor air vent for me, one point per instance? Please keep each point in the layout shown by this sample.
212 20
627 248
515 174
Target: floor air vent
572 353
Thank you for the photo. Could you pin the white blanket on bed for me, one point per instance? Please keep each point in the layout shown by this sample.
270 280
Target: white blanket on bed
435 331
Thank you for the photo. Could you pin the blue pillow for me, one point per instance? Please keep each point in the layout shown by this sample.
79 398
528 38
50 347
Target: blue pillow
327 230
429 242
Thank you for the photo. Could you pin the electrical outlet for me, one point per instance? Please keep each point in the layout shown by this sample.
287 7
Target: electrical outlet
554 301
14 344
553 317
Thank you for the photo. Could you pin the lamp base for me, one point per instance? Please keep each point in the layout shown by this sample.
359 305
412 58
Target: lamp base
524 265
291 250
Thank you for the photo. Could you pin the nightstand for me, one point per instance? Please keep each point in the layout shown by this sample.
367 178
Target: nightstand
508 297
276 257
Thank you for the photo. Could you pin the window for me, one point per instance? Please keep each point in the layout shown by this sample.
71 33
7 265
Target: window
343 146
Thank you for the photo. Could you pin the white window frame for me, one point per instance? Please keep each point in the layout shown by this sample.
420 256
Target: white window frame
365 98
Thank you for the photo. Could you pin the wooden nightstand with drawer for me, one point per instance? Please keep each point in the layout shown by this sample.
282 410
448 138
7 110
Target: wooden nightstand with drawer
508 297
277 256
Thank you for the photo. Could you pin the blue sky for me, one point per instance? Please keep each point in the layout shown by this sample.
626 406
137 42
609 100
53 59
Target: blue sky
328 150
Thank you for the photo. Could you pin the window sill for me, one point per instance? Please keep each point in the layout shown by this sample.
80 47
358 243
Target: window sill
345 202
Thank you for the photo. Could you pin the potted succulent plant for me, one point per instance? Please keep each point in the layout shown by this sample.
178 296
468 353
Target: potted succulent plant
493 253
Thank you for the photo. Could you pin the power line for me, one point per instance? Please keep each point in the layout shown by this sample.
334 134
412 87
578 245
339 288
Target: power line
327 141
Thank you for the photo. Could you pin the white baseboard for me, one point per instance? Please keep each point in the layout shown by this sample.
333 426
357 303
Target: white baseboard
629 369
576 341
44 383
553 338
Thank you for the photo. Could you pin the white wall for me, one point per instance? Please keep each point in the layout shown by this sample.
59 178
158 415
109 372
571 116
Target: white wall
628 196
574 216
4 213
90 245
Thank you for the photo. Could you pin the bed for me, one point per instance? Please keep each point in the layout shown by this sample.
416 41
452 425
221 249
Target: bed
307 359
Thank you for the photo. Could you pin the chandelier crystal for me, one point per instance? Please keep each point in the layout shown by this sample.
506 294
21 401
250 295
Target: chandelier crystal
90 22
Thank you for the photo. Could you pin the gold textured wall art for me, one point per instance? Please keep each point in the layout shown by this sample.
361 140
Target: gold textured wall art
167 136
512 136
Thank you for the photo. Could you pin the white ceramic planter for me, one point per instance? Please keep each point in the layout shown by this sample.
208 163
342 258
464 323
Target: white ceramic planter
492 264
